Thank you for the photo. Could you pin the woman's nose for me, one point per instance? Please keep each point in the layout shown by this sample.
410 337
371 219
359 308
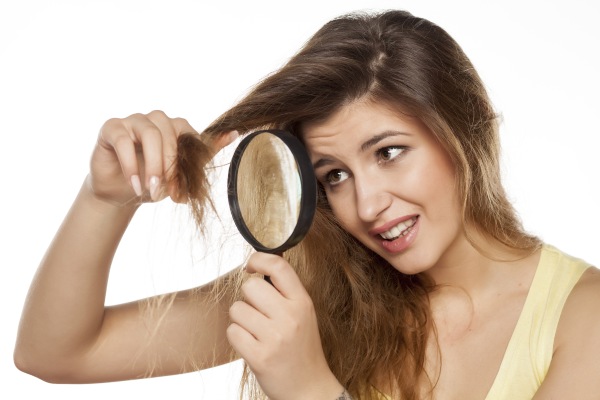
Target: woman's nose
371 199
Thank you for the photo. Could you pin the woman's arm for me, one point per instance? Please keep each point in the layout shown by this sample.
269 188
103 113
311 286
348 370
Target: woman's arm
66 333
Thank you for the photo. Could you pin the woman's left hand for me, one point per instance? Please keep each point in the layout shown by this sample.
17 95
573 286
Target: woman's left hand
275 331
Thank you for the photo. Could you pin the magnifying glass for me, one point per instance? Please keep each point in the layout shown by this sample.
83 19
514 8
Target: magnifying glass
272 190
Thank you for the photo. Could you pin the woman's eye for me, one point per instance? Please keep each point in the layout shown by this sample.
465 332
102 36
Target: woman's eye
336 176
389 153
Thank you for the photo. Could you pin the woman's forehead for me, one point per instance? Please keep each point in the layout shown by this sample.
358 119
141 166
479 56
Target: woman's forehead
359 119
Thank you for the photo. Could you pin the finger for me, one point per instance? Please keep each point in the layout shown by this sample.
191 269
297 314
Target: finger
242 341
181 125
149 136
263 297
218 142
225 139
249 318
169 133
283 277
116 137
176 127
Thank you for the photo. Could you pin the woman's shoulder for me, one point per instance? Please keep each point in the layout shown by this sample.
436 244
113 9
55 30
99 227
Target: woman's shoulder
583 301
574 368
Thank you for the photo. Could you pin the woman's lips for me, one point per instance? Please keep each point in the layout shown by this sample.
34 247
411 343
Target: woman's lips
402 242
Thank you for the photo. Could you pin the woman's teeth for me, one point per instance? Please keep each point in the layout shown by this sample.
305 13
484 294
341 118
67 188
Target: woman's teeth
399 230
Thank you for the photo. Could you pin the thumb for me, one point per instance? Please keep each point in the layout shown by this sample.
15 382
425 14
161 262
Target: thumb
224 140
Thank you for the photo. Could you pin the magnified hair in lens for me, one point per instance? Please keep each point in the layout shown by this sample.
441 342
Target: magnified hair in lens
268 190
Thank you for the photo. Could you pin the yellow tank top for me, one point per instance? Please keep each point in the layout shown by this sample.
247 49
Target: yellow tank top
529 352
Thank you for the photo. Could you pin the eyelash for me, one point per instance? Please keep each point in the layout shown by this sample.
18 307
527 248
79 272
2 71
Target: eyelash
379 154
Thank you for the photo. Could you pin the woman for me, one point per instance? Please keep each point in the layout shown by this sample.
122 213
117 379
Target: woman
416 280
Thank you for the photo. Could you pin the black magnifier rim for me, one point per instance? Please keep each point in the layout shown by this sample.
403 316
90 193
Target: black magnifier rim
308 185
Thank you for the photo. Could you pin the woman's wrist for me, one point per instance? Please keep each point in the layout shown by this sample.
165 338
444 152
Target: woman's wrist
105 205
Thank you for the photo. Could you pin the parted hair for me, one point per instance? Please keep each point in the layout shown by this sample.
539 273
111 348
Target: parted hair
374 321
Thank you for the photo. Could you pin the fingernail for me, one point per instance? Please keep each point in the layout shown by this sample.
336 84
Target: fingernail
136 185
154 181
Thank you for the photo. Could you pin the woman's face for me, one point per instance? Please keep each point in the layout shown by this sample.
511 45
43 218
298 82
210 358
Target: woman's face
389 183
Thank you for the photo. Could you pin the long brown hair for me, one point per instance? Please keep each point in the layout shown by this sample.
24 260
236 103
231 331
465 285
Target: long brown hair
375 321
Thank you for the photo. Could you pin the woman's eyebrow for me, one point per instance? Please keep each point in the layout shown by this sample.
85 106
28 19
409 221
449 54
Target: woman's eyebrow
378 138
321 163
363 147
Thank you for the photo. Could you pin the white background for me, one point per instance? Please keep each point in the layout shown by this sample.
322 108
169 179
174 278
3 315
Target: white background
67 66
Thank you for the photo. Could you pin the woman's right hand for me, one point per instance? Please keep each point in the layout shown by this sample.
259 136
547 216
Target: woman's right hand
134 157
67 334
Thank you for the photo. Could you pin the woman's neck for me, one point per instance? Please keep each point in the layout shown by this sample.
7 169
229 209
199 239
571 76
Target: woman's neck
478 264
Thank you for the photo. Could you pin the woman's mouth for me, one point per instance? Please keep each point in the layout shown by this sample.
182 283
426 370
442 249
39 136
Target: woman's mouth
401 229
400 236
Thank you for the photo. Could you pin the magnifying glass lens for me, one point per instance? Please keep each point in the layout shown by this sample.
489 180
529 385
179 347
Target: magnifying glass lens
272 190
